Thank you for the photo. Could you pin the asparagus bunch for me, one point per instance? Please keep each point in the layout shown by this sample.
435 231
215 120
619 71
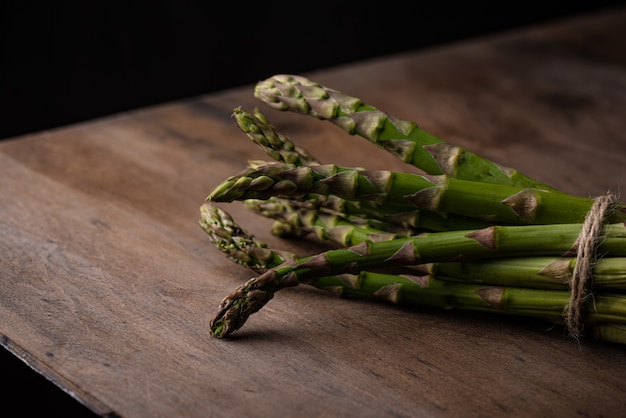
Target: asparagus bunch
467 233
538 289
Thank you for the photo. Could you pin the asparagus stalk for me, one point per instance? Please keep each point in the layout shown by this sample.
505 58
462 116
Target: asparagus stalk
276 145
433 292
400 192
610 332
407 222
609 273
303 220
606 314
238 245
402 138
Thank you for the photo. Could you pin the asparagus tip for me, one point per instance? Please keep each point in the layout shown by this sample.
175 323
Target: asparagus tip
234 310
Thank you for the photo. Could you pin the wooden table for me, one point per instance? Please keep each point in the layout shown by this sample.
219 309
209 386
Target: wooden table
109 283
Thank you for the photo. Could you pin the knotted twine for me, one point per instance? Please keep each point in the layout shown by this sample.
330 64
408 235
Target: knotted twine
586 246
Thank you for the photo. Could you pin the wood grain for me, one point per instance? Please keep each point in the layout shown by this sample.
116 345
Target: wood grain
108 283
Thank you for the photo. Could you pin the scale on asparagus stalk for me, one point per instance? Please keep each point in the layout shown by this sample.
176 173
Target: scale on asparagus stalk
466 234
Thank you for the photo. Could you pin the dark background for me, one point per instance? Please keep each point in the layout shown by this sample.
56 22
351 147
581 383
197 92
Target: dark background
65 62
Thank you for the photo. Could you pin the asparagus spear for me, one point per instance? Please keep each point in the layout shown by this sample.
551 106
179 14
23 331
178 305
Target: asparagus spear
237 244
400 192
609 273
302 220
610 332
606 314
402 138
434 292
276 145
287 210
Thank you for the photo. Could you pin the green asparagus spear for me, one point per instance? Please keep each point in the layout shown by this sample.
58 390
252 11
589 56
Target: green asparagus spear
239 246
610 332
276 145
540 272
303 221
400 192
301 210
606 312
431 291
403 138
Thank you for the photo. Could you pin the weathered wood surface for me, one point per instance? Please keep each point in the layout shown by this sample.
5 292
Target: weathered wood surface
108 283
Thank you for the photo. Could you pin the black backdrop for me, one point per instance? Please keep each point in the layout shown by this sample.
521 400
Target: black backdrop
63 62
67 61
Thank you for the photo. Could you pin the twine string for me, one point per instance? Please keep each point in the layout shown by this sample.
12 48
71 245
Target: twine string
586 248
